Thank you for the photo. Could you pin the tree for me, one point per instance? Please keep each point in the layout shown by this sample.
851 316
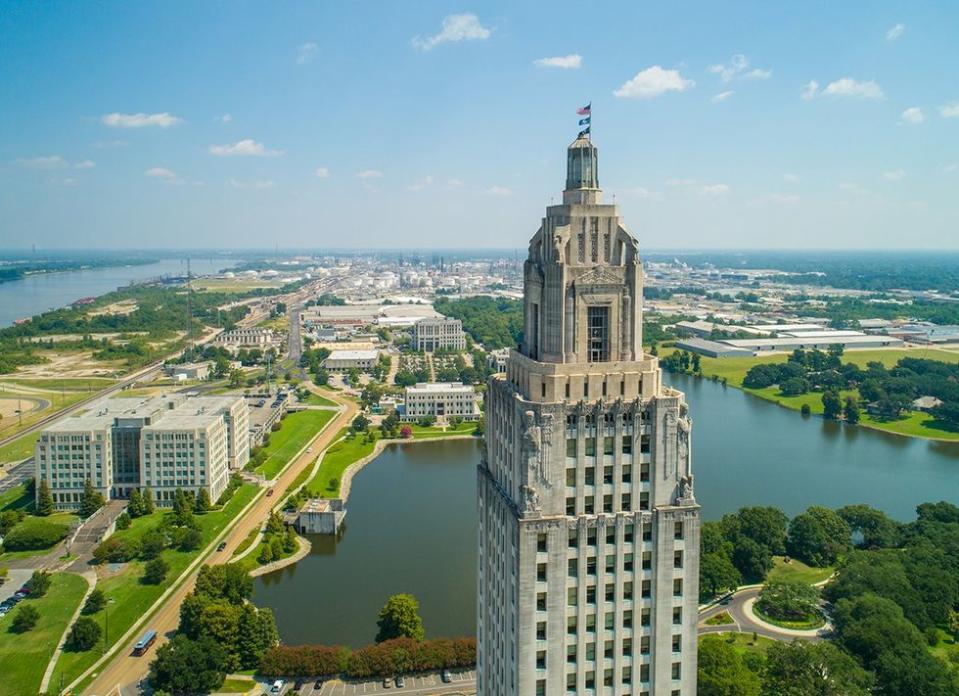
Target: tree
818 536
813 669
152 544
44 499
38 584
274 523
831 405
406 432
91 500
186 666
227 581
123 521
155 571
753 560
400 618
877 529
203 502
84 634
360 424
789 601
183 504
266 554
290 542
717 574
256 633
25 619
850 410
95 602
192 540
722 672
148 505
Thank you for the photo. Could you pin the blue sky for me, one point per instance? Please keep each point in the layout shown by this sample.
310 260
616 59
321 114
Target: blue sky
432 124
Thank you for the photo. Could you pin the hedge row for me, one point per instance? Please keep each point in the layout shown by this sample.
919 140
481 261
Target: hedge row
390 657
34 534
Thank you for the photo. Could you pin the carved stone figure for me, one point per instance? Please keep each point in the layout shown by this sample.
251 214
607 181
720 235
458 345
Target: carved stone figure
530 499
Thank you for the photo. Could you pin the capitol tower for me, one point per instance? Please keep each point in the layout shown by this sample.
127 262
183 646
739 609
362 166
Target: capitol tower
588 558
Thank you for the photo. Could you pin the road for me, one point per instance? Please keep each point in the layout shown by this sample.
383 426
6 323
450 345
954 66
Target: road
124 669
744 620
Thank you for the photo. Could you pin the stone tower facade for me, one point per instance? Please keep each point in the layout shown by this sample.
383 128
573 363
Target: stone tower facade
588 556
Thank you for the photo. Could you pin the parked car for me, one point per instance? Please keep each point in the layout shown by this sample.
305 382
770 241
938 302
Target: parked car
318 684
446 676
221 546
387 683
269 493
277 686
298 685
400 682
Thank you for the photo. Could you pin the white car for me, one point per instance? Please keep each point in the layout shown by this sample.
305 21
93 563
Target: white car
277 686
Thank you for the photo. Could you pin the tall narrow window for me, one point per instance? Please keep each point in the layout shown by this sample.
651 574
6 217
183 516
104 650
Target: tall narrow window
534 339
598 323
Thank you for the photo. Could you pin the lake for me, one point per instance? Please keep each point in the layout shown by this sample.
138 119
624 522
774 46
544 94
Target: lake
411 525
38 293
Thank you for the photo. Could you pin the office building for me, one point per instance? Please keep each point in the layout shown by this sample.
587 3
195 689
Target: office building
438 333
442 400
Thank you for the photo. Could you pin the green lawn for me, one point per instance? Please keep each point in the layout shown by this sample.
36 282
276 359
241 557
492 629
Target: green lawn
234 685
914 424
796 571
946 647
131 598
317 400
19 449
336 459
743 642
24 656
246 543
814 622
721 619
432 432
15 498
297 430
84 384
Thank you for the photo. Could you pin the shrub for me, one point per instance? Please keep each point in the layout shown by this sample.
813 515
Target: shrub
84 634
124 521
34 534
789 601
116 550
95 602
155 571
38 584
293 660
25 619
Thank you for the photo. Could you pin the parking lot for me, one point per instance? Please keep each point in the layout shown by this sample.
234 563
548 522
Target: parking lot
423 685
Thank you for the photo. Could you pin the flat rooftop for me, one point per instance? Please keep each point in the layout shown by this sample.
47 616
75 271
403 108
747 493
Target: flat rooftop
353 355
437 387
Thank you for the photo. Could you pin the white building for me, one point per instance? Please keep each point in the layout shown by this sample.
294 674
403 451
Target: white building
362 360
120 444
440 332
254 337
442 400
588 561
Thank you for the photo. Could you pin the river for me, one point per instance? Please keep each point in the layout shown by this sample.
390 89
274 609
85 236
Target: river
411 525
44 291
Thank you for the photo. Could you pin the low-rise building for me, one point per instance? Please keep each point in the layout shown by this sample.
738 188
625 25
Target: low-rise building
343 360
184 371
253 337
441 400
164 442
320 516
437 333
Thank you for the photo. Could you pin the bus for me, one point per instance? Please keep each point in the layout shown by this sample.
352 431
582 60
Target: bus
146 640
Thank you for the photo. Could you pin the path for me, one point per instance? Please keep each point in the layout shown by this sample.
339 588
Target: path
124 669
745 620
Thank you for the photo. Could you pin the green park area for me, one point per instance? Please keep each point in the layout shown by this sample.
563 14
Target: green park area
315 399
742 643
24 655
797 571
733 371
129 597
296 430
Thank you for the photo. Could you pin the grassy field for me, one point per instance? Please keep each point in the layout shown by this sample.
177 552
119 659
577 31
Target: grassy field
83 384
298 429
131 598
914 424
721 619
15 498
24 656
433 432
744 642
336 459
234 685
796 571
317 400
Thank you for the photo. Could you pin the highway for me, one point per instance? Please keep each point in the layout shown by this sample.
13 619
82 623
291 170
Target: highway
125 670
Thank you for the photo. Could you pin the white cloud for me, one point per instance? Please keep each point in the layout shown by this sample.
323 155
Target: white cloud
652 82
722 96
854 188
810 90
246 147
781 198
305 52
140 120
498 191
457 27
454 184
894 175
321 173
715 190
791 178
737 67
54 162
848 87
370 174
913 115
895 32
420 184
571 62
161 173
252 184
225 118
949 110
44 162
679 182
